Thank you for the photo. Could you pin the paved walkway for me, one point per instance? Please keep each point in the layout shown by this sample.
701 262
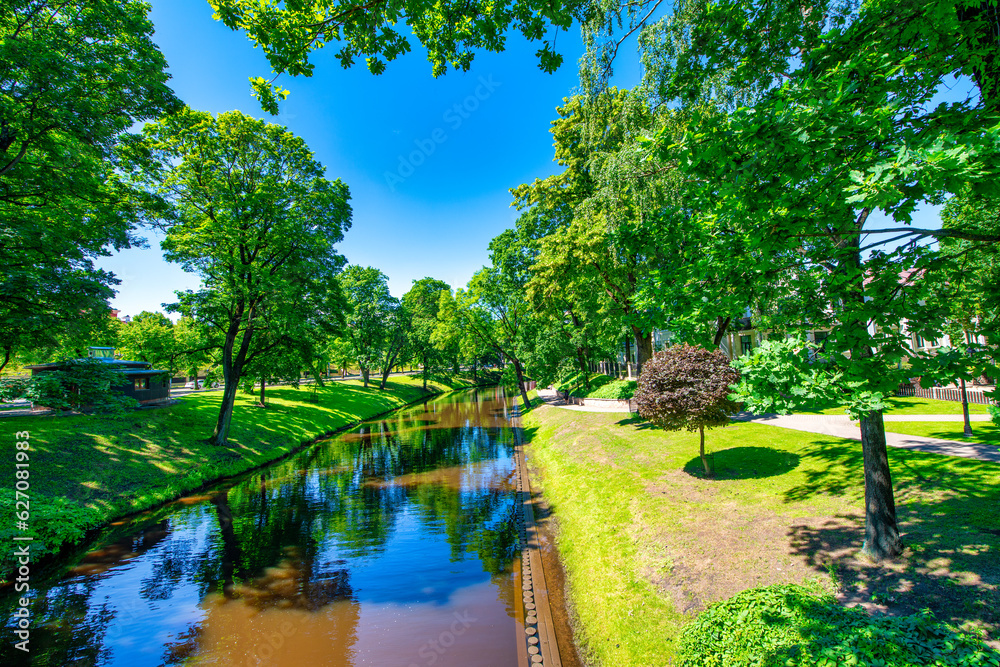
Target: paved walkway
552 398
841 426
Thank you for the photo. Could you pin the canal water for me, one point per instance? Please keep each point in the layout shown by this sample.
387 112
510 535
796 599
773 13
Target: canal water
390 545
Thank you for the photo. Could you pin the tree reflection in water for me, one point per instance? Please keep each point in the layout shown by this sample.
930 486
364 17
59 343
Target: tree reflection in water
277 568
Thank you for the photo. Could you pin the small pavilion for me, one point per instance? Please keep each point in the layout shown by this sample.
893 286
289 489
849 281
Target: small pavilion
144 383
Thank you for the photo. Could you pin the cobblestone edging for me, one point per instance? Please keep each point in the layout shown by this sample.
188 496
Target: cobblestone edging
535 630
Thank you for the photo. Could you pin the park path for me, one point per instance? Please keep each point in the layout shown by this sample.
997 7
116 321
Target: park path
841 426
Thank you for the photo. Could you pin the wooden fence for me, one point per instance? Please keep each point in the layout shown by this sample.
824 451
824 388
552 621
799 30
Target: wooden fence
945 394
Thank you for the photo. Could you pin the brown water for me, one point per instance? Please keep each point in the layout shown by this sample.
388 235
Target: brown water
391 545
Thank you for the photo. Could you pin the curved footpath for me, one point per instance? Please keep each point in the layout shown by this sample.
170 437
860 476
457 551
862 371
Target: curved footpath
841 426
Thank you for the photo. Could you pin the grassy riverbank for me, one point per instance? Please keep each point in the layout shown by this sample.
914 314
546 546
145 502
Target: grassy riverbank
88 470
647 541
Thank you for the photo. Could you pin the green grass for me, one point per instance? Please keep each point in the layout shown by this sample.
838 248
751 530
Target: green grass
88 470
908 405
647 540
981 431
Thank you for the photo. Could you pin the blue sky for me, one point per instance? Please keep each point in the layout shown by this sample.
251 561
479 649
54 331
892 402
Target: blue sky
429 182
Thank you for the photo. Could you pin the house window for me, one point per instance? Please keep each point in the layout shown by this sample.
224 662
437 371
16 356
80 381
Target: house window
140 383
745 344
820 338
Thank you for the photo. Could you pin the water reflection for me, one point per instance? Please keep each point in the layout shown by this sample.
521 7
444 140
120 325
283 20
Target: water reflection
387 546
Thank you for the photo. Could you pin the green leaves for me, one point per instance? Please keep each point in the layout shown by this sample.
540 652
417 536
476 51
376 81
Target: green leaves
74 77
801 626
451 31
252 214
785 375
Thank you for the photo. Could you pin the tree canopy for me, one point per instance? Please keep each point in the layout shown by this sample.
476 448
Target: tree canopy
451 32
74 77
685 386
254 216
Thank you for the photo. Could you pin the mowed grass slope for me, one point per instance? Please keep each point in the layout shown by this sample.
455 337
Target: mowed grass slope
647 541
88 470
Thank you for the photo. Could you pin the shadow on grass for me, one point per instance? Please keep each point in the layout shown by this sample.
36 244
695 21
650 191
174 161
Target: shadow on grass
946 512
744 463
637 422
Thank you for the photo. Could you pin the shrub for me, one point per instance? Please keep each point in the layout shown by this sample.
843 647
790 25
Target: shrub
688 387
13 389
80 384
616 389
794 626
995 415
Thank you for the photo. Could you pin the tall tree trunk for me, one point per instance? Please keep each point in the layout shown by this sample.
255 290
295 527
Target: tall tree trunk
643 348
364 375
6 359
582 360
881 533
318 376
474 380
263 385
965 411
520 382
232 369
424 373
704 459
721 327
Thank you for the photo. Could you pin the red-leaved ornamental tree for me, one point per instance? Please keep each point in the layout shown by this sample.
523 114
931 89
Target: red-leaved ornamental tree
688 387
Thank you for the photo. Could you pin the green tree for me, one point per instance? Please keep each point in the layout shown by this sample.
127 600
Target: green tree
423 303
340 353
253 215
74 77
495 307
971 279
850 131
450 31
455 336
369 325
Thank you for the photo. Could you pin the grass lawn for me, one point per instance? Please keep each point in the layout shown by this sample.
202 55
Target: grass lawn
88 470
981 431
909 405
647 541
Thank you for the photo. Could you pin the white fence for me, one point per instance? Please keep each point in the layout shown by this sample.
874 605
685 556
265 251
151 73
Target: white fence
945 394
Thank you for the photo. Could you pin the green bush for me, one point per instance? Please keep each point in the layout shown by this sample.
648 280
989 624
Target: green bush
795 626
13 389
995 415
617 389
81 384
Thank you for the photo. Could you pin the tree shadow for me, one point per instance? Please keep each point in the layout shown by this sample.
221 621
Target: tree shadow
949 564
745 463
831 458
637 422
947 520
